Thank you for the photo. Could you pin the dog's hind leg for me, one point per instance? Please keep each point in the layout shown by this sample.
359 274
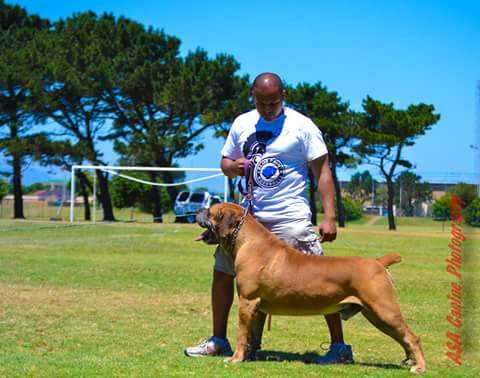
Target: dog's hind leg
383 311
247 310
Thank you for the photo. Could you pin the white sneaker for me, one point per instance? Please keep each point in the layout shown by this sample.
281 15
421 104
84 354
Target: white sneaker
214 346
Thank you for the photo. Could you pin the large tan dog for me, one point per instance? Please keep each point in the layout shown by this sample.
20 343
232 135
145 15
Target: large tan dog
275 278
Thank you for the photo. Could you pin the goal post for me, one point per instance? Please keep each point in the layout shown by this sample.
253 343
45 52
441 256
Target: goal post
115 170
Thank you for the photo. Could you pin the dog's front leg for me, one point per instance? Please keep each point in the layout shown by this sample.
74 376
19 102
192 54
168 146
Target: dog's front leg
247 309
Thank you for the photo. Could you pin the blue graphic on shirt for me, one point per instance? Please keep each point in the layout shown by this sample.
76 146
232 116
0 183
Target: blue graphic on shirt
269 171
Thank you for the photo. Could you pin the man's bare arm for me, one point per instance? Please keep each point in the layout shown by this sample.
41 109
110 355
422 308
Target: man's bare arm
232 168
326 188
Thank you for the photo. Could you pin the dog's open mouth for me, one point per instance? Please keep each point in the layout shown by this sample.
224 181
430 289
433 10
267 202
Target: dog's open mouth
207 237
202 236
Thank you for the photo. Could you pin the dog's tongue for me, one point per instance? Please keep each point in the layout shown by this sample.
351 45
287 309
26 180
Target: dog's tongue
200 237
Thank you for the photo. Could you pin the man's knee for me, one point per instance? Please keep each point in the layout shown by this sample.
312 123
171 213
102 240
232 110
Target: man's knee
222 290
222 278
222 284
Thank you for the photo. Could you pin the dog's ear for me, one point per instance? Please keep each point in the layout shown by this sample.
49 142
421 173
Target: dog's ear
225 223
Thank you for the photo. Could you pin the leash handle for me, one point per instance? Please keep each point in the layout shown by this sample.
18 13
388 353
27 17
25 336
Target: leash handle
247 192
246 167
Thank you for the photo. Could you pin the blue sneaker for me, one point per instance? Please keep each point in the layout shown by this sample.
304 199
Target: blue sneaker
214 346
337 354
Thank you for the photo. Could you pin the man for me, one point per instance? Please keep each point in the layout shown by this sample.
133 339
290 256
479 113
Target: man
281 143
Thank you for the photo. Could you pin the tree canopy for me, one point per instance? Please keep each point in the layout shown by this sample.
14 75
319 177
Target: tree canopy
385 133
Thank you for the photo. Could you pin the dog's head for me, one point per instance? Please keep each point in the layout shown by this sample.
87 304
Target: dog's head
220 222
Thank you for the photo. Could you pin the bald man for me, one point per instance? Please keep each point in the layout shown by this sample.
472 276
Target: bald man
281 143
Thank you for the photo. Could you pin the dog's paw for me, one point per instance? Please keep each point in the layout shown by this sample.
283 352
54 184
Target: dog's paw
417 369
234 359
408 362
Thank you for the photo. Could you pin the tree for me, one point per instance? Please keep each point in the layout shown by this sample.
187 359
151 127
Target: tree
384 135
69 85
361 186
411 192
466 192
162 103
338 125
17 29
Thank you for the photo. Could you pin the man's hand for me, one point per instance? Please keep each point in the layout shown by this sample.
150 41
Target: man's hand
240 166
327 230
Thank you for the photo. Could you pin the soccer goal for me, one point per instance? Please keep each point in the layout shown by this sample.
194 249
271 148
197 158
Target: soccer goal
194 188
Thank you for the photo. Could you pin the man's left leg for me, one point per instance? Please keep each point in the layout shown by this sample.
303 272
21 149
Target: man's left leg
339 352
335 328
307 241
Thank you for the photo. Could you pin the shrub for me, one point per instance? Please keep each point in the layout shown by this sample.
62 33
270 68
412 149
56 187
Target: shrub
472 213
441 210
353 209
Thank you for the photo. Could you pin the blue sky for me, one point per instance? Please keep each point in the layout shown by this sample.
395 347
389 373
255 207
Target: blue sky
399 51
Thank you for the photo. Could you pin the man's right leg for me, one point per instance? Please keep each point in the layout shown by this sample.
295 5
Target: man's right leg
222 299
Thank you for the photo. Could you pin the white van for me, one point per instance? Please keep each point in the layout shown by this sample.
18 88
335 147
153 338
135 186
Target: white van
187 205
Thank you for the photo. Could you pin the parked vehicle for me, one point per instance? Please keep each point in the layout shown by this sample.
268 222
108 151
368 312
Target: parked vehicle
187 204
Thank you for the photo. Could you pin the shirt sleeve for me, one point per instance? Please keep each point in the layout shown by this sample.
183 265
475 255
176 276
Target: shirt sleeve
313 141
232 148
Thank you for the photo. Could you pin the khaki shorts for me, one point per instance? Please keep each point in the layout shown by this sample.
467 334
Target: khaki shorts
300 235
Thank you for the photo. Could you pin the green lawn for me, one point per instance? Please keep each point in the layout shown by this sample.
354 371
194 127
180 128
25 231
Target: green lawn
125 299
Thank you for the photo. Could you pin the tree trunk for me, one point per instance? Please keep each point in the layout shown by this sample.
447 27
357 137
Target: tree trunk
156 199
84 190
390 200
312 189
338 195
104 196
17 188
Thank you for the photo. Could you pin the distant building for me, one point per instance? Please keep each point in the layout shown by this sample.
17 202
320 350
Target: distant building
422 209
53 195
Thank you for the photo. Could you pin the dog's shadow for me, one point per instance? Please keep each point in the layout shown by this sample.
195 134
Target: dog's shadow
310 358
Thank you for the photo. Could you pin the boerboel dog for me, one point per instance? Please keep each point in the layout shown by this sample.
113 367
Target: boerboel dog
274 278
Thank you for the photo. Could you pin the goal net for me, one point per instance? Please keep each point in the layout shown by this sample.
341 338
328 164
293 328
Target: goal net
133 194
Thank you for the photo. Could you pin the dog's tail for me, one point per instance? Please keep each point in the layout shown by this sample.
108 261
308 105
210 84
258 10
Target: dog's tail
390 259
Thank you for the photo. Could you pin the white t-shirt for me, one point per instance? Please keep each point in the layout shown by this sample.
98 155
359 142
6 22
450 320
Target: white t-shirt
280 150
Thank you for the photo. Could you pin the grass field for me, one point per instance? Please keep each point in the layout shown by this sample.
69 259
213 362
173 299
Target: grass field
125 299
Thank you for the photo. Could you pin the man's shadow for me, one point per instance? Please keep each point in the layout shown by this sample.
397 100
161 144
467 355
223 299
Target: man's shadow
310 357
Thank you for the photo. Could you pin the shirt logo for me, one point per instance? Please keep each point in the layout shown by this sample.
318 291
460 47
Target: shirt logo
268 172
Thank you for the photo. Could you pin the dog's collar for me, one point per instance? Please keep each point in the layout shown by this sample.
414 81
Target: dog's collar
236 230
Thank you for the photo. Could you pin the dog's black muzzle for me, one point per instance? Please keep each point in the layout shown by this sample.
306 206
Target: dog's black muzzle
203 221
